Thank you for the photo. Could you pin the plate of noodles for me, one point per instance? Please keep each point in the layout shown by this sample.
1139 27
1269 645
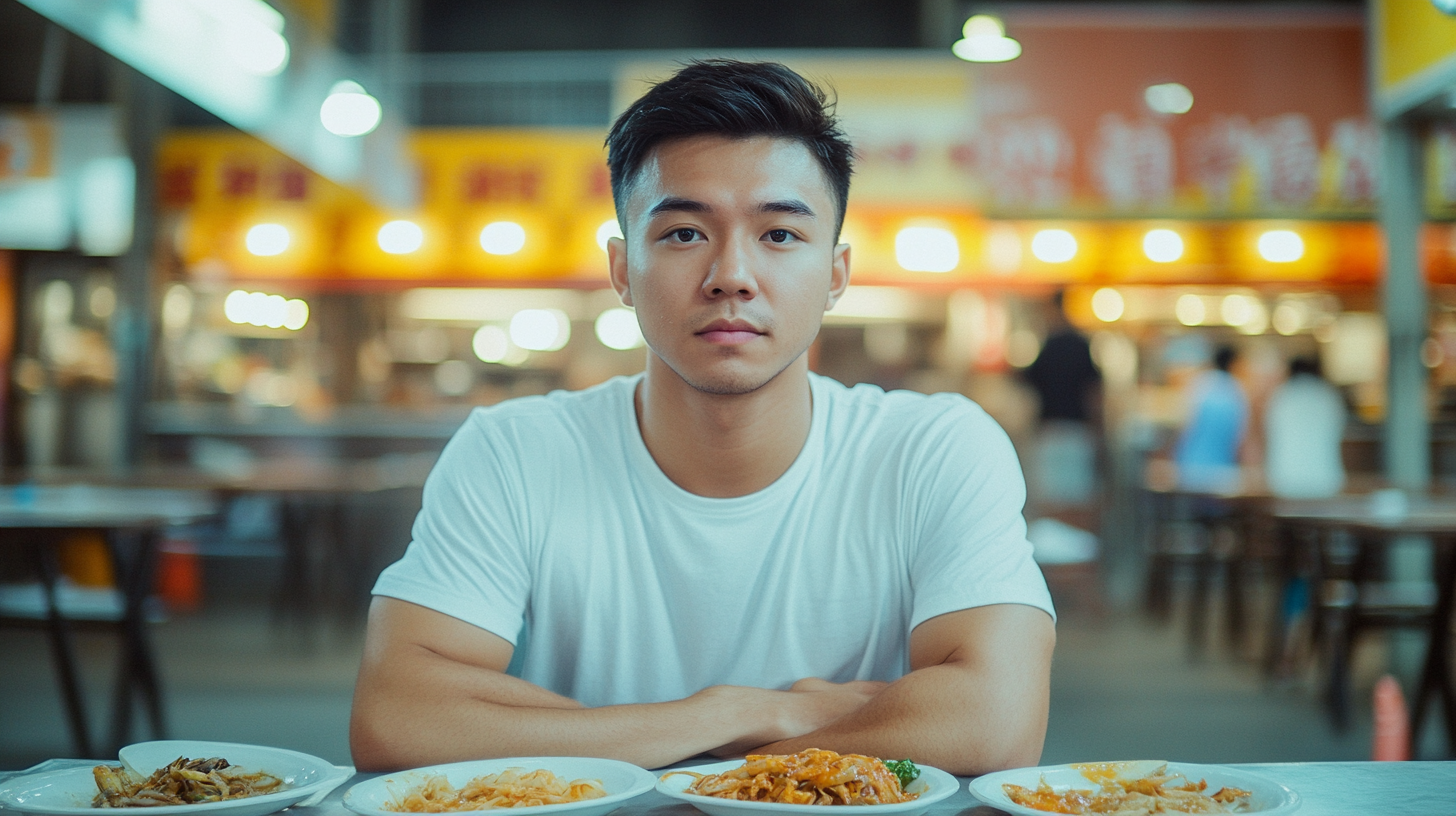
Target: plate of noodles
176 778
1133 788
581 786
805 783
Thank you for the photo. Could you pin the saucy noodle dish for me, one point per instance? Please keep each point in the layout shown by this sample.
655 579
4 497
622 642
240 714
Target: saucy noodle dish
811 777
183 782
1154 793
511 788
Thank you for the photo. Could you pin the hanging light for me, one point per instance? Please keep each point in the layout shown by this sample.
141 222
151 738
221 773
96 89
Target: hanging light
985 40
349 110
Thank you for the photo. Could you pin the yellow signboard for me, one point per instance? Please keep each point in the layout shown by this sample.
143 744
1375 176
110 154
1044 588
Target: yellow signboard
535 206
548 189
1413 54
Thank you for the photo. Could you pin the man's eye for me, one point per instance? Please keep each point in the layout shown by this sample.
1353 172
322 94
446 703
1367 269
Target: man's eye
779 236
685 235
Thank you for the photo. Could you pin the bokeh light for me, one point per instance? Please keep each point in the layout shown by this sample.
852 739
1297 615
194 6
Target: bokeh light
266 240
503 238
618 329
927 249
401 237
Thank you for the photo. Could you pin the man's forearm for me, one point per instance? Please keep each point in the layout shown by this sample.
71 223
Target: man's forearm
943 716
977 701
439 711
427 709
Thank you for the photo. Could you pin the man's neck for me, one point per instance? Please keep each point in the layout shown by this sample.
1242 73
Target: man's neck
723 446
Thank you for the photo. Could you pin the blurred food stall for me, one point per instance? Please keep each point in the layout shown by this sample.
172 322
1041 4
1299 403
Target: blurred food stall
1175 190
1183 179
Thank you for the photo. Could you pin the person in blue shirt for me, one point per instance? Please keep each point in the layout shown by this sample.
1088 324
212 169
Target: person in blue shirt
1207 453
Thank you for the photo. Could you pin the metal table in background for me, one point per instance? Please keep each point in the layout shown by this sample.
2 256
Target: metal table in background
1231 507
322 560
1433 519
131 522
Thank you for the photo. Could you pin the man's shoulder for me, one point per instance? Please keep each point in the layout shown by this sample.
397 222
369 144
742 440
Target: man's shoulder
556 406
865 409
570 418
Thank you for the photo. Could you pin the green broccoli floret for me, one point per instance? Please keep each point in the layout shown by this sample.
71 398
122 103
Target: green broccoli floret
905 769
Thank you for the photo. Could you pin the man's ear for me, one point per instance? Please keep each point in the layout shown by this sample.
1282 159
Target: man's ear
617 269
838 276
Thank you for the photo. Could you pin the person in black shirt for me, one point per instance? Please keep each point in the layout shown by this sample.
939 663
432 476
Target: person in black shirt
1069 387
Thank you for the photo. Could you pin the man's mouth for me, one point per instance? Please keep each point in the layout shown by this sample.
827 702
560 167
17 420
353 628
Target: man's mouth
729 332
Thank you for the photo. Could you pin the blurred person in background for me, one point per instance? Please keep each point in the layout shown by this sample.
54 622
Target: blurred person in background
1304 424
1069 387
726 553
1207 451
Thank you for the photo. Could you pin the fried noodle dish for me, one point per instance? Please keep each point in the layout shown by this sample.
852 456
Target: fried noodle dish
811 777
513 787
1152 793
184 782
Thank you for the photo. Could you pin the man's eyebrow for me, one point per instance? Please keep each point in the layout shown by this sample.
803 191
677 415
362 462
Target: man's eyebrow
792 206
674 204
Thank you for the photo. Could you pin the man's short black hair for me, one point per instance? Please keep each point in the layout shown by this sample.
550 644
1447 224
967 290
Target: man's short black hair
737 100
1223 358
1304 365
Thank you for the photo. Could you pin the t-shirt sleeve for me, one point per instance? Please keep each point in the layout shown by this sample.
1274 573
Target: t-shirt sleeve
468 556
969 536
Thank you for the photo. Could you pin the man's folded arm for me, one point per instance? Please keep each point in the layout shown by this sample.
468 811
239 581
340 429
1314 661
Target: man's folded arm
433 689
975 700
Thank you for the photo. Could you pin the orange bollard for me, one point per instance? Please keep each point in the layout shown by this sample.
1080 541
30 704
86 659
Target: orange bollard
179 576
1392 723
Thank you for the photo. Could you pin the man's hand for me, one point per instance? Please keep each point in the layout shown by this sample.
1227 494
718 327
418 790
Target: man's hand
808 705
975 700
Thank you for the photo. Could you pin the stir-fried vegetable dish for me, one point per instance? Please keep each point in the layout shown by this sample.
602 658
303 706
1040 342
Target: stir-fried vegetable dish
183 782
811 777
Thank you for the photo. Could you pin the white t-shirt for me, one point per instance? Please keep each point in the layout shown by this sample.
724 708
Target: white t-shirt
1304 423
549 514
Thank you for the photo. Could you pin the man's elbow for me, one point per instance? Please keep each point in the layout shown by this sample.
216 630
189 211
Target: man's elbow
369 743
1026 753
986 754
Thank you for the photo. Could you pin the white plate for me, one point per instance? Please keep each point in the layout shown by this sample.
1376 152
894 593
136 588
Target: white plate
1269 797
622 781
933 786
69 792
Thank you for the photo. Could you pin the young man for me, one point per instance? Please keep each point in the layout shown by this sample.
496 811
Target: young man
726 553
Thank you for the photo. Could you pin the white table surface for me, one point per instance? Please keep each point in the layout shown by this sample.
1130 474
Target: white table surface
1326 788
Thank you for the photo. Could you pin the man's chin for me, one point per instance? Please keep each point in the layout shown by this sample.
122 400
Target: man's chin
727 387
729 383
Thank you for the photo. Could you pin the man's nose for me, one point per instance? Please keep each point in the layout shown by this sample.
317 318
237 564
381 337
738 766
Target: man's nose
732 271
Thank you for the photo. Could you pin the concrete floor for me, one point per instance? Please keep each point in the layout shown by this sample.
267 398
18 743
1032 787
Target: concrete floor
1123 688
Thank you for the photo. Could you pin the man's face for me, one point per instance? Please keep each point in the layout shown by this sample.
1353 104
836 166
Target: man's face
730 258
